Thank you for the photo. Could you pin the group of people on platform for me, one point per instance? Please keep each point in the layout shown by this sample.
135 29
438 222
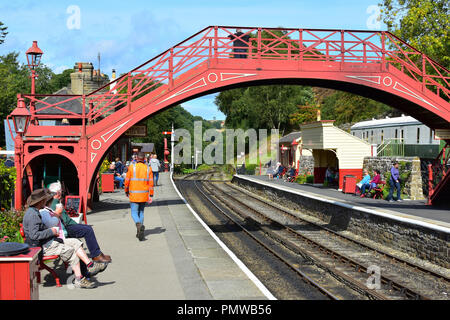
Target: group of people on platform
120 170
363 187
367 183
281 172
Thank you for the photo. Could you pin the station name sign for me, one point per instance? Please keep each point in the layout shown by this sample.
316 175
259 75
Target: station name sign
442 134
137 131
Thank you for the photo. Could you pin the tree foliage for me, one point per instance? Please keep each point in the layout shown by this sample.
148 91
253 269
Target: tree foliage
3 32
15 78
422 24
346 107
305 113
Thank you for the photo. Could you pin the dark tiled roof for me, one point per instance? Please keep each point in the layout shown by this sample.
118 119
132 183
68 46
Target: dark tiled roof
290 137
72 105
146 147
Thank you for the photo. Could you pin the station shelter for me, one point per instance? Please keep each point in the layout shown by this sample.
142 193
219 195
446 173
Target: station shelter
335 148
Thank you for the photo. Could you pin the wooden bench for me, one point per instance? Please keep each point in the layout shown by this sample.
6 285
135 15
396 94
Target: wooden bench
379 190
42 264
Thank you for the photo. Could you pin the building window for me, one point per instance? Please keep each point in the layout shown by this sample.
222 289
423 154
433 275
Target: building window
382 136
431 135
371 136
402 135
396 133
418 135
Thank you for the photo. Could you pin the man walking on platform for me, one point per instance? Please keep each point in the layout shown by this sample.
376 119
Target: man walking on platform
139 189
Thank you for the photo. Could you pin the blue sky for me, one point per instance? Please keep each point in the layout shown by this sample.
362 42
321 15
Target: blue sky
128 33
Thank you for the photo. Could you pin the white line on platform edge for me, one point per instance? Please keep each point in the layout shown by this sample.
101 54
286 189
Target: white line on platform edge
239 263
358 208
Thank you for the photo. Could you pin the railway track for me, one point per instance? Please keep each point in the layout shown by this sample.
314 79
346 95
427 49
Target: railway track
210 175
328 248
266 256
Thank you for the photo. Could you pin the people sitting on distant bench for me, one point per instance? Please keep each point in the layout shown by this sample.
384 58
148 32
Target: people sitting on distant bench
117 177
364 183
273 170
50 239
290 173
279 172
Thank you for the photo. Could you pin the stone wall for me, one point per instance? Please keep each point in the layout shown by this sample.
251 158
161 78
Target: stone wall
413 185
416 241
306 165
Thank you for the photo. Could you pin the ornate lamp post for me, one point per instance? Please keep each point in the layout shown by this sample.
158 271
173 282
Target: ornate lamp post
34 55
21 118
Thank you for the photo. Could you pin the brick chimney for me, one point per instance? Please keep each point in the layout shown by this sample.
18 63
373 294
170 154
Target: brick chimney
84 80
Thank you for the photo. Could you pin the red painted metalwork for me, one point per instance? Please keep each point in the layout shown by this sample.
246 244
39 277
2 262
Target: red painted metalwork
438 176
372 63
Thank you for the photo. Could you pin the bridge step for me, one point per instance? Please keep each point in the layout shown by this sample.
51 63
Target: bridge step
442 190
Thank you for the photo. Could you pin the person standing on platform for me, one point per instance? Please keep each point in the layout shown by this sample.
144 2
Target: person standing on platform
139 189
394 182
156 166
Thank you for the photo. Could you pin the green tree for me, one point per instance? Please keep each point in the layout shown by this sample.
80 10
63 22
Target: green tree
61 80
3 32
422 24
346 107
15 78
262 107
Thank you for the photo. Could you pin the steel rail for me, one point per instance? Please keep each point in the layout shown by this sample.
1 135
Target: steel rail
347 238
274 253
335 255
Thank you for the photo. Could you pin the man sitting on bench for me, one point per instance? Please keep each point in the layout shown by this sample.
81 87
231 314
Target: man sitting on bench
76 230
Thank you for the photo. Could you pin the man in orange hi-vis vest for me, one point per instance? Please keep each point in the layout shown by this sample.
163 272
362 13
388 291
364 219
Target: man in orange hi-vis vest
139 189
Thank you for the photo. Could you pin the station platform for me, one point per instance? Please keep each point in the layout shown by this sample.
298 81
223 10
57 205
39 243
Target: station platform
410 211
178 260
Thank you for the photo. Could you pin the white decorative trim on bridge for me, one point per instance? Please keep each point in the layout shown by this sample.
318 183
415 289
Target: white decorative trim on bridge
212 78
387 81
96 144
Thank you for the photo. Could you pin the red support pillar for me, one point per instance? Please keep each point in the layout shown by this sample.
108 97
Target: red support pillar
430 183
18 162
166 153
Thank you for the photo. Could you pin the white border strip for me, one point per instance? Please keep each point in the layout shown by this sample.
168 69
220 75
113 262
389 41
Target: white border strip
345 205
240 264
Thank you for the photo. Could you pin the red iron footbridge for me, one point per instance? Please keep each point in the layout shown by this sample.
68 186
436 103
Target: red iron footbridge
374 64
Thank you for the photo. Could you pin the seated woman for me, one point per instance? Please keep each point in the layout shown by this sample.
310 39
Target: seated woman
364 183
376 180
